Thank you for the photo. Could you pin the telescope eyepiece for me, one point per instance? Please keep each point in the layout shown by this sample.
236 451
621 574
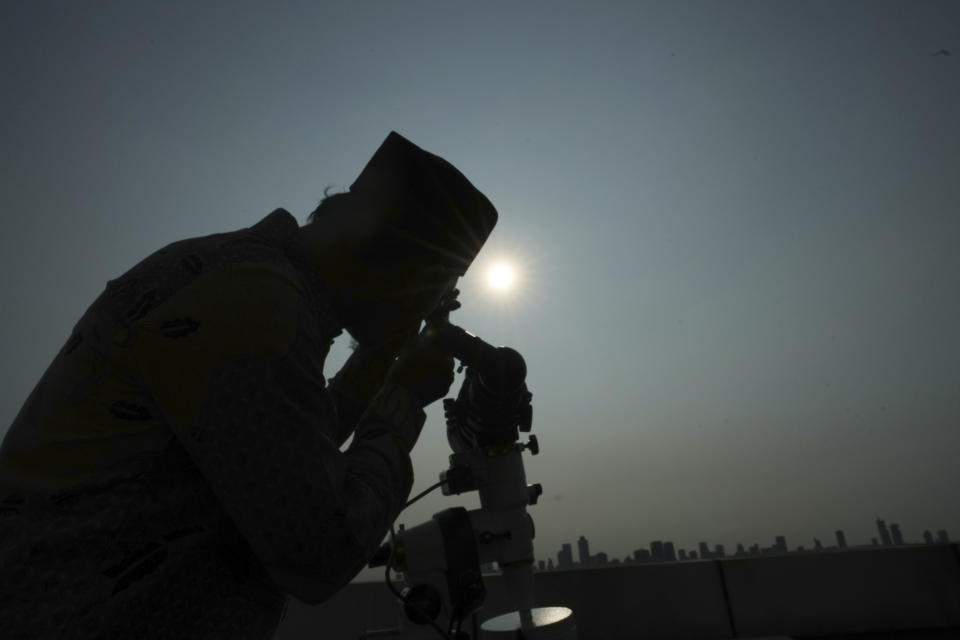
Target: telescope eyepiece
503 372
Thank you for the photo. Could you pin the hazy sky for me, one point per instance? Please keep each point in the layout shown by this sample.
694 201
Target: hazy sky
736 224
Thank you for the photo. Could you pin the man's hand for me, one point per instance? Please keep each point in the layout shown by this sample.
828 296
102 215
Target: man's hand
366 369
362 375
423 370
447 304
422 367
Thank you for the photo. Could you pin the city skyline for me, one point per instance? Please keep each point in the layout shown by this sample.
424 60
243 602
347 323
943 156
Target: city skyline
666 551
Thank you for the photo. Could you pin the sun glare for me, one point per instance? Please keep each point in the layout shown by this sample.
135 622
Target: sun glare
501 277
506 285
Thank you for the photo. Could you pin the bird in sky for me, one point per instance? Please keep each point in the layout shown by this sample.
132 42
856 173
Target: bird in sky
942 52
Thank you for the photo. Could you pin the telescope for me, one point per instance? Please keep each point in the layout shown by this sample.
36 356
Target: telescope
441 559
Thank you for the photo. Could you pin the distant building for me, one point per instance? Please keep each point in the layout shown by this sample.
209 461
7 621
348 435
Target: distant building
641 555
541 565
584 548
874 542
683 554
628 560
719 551
549 564
692 555
928 537
599 560
740 550
781 544
942 536
704 550
656 551
841 539
565 557
882 530
895 533
755 549
668 553
817 544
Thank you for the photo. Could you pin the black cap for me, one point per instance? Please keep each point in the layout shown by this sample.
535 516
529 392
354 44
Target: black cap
439 212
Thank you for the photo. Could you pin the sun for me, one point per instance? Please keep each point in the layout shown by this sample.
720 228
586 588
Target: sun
501 277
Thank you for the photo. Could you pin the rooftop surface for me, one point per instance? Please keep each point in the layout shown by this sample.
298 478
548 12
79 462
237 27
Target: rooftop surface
870 593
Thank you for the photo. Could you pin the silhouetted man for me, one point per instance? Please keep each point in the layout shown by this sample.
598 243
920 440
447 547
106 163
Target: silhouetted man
177 471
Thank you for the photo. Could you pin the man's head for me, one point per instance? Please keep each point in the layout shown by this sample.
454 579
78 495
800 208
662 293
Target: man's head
410 225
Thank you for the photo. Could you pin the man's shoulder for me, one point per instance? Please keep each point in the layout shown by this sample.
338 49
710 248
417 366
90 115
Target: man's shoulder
146 285
191 257
279 223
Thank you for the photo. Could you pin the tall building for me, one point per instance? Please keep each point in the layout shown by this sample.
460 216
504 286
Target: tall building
641 555
781 544
817 544
841 539
683 554
942 536
565 557
584 548
928 537
882 530
740 550
704 550
600 559
541 565
549 564
656 551
692 555
895 533
668 553
719 551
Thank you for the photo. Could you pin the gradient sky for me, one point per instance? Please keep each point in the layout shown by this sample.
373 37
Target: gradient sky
737 225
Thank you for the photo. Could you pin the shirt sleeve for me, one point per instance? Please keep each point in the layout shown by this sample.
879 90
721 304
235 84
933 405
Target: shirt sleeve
355 386
234 363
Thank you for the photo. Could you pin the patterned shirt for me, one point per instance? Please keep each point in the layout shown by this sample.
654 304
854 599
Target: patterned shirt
178 471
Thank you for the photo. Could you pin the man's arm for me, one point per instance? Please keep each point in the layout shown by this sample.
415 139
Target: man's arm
243 390
354 387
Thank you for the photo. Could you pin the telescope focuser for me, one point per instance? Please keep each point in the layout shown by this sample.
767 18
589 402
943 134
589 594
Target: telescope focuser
493 405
